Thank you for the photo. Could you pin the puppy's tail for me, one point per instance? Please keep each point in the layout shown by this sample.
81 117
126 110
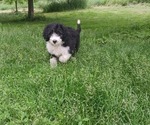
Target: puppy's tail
78 25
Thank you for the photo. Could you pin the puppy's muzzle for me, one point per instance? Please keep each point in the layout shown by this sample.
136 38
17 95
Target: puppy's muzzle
54 41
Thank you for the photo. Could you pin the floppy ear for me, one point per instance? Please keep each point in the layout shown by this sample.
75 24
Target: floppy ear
63 32
47 31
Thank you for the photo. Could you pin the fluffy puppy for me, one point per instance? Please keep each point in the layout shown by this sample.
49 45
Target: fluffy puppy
61 42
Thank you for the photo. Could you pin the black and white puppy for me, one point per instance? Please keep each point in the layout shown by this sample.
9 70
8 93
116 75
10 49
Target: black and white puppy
61 42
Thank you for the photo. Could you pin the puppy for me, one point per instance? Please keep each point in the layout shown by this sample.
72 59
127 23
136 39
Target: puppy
61 42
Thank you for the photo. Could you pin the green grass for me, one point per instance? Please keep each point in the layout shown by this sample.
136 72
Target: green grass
115 2
107 84
22 6
7 6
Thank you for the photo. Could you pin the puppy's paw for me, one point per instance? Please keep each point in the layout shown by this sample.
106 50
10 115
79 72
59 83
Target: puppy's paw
64 58
53 62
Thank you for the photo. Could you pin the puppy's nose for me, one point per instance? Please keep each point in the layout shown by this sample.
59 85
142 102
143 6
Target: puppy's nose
54 41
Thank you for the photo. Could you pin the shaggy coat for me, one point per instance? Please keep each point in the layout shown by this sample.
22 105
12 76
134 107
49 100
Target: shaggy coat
61 42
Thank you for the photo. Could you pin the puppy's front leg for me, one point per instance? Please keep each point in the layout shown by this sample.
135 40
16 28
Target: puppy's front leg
64 58
53 62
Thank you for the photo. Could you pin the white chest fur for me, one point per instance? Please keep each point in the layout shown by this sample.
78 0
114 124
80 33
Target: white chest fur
57 50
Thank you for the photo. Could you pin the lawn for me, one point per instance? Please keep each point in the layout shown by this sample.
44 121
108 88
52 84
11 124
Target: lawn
107 84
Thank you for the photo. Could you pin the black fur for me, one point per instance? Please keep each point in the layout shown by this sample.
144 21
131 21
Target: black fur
70 36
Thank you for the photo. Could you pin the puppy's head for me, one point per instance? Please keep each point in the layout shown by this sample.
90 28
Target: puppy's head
54 33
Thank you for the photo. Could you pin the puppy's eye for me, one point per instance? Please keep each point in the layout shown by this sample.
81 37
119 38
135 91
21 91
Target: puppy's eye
52 31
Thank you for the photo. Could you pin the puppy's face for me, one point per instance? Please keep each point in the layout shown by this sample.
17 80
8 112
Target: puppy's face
54 34
56 39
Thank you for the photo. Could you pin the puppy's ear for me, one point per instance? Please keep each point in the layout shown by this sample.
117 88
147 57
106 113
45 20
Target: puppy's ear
47 31
63 31
61 27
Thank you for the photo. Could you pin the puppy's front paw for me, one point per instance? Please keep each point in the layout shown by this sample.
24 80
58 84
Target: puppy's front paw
53 62
64 58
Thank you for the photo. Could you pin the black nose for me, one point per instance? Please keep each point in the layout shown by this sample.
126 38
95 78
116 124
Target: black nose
54 41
